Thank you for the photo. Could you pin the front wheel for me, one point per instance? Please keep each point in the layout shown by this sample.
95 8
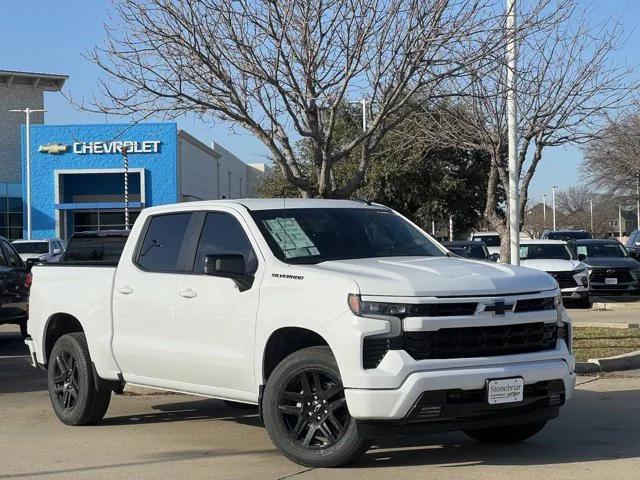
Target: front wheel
305 411
506 435
72 386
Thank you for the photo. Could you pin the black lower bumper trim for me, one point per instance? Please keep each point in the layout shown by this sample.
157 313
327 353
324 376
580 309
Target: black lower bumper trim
384 429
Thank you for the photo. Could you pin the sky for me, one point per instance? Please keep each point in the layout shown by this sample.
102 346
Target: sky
52 36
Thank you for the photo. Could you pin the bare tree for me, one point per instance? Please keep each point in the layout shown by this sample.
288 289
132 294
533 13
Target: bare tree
568 82
576 199
612 160
282 69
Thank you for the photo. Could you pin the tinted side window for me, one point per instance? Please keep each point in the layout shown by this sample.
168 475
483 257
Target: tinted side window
13 260
95 249
223 234
160 250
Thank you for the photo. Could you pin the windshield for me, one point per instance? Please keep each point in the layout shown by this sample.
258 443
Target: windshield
592 250
314 235
539 251
470 251
31 247
568 235
488 240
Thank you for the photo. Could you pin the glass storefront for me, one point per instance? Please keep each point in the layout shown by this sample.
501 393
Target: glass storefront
11 210
91 220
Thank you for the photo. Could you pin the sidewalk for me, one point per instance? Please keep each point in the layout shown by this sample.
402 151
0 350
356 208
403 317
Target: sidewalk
614 318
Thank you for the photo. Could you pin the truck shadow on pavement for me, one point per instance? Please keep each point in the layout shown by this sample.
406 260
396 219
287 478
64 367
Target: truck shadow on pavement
189 411
593 426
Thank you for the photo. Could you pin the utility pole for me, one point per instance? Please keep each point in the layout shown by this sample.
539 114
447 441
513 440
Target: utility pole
364 114
433 228
620 222
512 114
28 112
591 210
544 210
125 160
553 205
450 228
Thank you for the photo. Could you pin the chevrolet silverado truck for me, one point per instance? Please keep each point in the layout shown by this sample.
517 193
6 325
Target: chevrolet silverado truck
341 320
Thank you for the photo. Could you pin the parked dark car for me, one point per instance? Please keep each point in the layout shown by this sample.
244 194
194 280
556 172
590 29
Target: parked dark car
633 244
95 247
468 249
15 280
613 271
566 235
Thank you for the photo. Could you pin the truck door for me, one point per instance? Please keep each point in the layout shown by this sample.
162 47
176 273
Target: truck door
215 319
144 300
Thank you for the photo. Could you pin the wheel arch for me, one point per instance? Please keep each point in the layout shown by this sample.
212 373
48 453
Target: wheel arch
57 325
285 341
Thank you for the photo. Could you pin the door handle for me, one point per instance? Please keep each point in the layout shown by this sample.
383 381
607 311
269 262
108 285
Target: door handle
126 290
188 293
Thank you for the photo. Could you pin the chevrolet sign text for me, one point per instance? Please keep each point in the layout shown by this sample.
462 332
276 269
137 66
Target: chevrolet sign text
147 146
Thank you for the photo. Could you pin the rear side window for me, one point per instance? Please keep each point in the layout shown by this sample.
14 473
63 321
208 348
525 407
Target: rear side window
160 250
223 234
105 249
13 260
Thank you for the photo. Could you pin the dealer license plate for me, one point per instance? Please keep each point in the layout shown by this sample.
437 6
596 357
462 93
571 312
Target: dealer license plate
505 390
611 281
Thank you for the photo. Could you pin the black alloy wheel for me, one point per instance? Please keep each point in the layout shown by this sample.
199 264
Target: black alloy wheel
66 389
314 409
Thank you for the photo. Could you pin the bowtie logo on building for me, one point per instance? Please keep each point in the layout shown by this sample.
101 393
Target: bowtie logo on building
53 148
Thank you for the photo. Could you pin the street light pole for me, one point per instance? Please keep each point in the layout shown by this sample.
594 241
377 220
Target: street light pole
364 114
28 112
638 199
553 205
451 228
591 210
544 210
512 113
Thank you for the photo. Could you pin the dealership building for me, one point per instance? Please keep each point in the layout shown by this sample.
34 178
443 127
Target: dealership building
78 174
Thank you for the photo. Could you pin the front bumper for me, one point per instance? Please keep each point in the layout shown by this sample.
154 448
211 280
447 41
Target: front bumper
600 288
397 404
32 351
574 293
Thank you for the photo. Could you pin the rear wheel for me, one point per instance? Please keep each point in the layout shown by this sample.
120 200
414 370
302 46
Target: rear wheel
506 435
305 411
72 383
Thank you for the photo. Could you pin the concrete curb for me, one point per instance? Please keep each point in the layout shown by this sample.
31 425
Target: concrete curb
605 325
626 361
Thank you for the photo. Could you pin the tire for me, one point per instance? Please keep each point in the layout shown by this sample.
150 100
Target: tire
240 405
305 411
72 383
585 302
506 435
23 329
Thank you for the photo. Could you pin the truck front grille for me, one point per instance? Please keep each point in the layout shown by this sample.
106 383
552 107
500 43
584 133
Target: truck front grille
535 304
564 279
489 341
621 274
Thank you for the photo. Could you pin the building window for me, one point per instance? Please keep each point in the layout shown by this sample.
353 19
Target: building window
11 210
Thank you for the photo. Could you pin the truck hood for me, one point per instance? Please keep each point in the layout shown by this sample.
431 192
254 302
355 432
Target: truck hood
437 276
554 265
611 262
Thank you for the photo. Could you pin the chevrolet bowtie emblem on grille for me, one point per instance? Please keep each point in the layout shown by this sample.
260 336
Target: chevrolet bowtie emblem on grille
499 307
52 148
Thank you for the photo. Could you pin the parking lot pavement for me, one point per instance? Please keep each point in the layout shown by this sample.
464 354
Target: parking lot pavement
180 436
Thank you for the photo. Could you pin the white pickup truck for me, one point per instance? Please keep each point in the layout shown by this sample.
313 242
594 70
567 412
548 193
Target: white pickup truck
343 321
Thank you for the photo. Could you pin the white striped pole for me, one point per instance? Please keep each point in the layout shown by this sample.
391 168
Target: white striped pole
126 187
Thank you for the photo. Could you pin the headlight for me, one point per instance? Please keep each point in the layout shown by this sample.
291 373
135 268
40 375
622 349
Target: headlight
376 309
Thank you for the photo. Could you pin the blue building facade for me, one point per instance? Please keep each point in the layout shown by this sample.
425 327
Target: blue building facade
77 175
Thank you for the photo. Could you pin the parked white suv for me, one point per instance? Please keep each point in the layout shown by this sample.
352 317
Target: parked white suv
341 320
46 250
490 239
557 259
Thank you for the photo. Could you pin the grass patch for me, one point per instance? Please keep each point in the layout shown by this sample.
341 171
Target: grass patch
590 342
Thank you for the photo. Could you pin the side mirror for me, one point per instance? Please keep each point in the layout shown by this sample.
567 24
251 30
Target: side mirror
494 257
637 244
582 257
57 251
231 266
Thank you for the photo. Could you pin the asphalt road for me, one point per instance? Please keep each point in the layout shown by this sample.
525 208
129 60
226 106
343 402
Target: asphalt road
180 436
